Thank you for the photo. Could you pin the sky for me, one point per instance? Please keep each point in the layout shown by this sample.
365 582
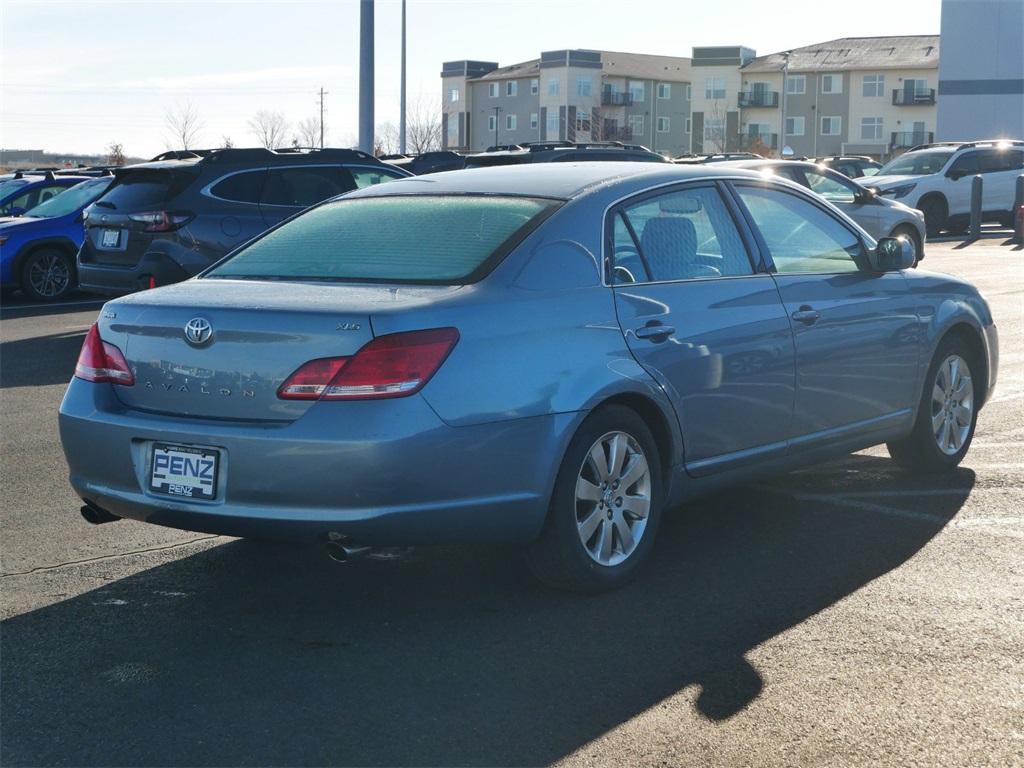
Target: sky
77 75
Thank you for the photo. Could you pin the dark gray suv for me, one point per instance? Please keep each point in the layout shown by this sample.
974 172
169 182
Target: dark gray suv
162 222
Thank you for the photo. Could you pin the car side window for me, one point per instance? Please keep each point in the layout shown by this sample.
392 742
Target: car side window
367 177
302 187
683 235
999 160
966 164
240 187
831 189
801 237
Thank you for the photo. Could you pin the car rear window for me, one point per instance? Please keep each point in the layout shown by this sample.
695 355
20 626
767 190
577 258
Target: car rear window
437 239
136 190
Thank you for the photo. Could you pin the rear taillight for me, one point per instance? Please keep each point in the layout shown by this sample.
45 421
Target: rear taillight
389 366
102 362
161 221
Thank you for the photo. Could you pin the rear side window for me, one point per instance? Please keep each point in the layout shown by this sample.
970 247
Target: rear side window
448 240
367 177
303 187
682 235
138 190
998 160
240 187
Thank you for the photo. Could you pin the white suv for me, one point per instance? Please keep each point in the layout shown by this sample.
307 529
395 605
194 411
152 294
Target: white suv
936 179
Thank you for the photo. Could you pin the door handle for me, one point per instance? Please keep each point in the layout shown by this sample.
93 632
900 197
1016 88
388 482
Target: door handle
654 331
807 315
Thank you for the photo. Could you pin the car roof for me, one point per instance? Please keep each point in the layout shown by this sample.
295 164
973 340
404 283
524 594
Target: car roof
771 163
557 180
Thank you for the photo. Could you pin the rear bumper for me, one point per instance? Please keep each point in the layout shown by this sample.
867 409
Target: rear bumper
391 475
112 280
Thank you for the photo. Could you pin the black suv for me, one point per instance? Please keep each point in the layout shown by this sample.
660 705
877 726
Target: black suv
165 221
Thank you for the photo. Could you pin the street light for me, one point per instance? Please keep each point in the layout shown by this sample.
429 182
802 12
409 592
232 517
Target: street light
785 91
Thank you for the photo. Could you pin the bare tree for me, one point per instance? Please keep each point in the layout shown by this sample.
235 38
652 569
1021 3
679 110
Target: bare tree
115 153
385 139
227 143
423 127
269 127
184 124
307 132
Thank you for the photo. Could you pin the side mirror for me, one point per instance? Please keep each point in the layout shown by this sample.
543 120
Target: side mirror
865 196
954 175
892 254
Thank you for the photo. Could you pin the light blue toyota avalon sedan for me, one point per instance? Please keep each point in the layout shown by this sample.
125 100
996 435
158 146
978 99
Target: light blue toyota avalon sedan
546 354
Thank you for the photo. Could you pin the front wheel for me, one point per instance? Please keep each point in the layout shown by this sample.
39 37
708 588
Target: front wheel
47 275
936 214
605 507
946 414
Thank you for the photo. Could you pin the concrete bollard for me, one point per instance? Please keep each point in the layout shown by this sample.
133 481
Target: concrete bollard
976 184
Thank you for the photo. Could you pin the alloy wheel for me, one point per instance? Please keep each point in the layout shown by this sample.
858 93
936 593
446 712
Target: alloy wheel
49 275
613 498
952 404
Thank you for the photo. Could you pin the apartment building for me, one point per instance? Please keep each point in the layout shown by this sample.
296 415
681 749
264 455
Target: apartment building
857 95
574 95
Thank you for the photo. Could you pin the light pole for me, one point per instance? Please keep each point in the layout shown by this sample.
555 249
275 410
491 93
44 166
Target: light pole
366 76
401 119
785 90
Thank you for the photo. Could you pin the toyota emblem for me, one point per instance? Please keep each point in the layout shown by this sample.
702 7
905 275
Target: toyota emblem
198 331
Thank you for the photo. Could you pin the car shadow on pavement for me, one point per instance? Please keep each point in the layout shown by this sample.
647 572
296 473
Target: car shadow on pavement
253 654
39 360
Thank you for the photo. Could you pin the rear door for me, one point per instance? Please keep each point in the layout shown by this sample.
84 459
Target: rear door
999 170
237 210
856 331
704 322
291 189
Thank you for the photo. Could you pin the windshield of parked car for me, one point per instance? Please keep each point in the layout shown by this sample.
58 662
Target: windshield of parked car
916 163
434 239
11 186
70 200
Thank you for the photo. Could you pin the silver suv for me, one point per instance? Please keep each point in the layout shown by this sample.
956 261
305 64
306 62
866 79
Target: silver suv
934 178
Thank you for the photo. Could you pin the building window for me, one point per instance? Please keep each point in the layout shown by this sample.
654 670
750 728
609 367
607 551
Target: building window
492 123
583 86
553 87
714 129
583 122
453 94
796 84
492 90
512 88
874 85
714 88
636 126
533 121
664 90
552 127
915 86
871 127
831 83
689 92
663 125
534 86
831 126
688 125
636 90
453 130
795 126
510 122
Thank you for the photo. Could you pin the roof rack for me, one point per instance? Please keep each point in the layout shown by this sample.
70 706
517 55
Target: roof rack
969 144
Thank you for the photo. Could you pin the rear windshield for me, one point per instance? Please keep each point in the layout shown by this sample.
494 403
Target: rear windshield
138 190
439 239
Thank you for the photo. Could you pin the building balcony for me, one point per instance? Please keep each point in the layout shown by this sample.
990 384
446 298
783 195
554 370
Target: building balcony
751 142
908 139
612 133
904 98
610 98
759 99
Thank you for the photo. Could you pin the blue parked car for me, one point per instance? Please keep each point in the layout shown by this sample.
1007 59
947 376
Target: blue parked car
548 353
27 190
37 249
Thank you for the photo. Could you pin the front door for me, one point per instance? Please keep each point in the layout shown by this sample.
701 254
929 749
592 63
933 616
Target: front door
704 323
856 331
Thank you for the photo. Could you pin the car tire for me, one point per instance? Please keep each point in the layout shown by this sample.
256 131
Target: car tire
47 274
597 532
946 414
936 213
907 231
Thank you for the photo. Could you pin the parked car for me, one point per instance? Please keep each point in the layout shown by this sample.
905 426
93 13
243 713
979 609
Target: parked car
722 157
546 354
878 216
563 151
164 221
936 179
851 166
37 249
27 190
427 162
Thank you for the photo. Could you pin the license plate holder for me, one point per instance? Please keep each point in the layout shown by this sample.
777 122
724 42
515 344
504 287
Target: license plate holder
184 471
110 238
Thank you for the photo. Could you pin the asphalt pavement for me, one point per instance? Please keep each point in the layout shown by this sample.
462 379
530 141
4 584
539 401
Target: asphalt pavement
844 615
